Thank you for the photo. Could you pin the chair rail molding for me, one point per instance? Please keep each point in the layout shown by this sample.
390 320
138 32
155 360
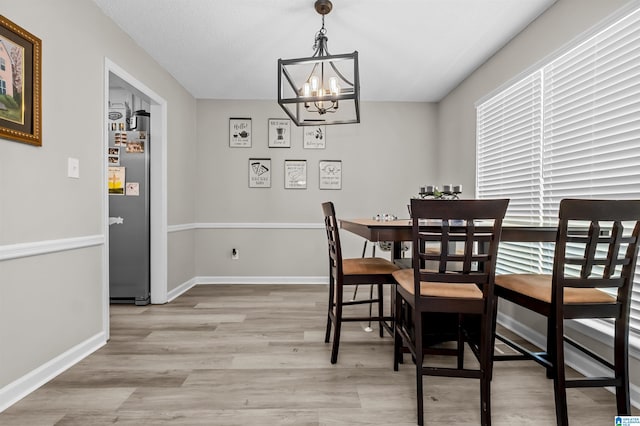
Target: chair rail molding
245 225
37 248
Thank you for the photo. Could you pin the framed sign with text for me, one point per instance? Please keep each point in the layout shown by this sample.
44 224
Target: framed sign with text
330 174
259 173
279 133
240 132
314 137
295 174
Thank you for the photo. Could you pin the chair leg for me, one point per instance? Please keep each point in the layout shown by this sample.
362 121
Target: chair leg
486 364
419 355
460 343
621 370
559 380
381 308
397 338
337 326
551 345
327 333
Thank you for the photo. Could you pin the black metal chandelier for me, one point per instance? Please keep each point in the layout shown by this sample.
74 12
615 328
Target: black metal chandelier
323 88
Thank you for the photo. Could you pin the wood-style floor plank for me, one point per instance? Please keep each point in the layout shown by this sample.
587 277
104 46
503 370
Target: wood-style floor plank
239 355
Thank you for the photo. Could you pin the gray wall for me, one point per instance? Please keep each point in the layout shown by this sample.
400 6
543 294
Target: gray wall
384 161
52 302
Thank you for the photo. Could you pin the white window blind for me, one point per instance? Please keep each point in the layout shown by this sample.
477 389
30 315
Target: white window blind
588 140
509 155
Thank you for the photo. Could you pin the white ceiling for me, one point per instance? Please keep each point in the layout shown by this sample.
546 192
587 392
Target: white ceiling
409 50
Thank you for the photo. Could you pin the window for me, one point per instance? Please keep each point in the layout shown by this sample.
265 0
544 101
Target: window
3 87
3 65
569 129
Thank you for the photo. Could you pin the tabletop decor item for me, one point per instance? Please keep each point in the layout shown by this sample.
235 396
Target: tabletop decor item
20 79
449 192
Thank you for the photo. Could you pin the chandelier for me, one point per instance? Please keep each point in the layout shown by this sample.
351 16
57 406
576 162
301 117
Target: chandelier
323 88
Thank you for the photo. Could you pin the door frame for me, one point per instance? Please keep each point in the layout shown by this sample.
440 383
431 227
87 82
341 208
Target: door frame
158 192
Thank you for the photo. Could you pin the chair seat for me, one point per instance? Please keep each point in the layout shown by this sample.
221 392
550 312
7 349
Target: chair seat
404 278
367 266
538 286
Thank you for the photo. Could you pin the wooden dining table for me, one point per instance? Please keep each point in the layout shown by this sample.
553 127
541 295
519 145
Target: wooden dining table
399 230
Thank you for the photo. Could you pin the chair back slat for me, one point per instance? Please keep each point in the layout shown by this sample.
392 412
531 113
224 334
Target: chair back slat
449 245
602 255
333 239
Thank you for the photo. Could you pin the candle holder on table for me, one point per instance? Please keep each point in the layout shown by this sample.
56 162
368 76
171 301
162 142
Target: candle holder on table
449 192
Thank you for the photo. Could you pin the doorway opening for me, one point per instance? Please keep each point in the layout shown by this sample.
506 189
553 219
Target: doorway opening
118 79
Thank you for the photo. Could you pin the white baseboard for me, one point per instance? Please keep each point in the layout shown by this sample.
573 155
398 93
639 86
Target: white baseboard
15 391
182 288
573 357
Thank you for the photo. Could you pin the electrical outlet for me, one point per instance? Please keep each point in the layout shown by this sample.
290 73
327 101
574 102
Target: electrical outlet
235 255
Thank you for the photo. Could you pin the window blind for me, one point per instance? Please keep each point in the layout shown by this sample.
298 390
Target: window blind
586 143
509 154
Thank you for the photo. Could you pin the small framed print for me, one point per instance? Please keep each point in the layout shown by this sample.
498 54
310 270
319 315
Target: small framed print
279 133
314 137
330 174
240 132
295 174
259 173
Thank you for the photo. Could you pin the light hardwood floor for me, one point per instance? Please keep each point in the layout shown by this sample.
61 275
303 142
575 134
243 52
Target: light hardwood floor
255 355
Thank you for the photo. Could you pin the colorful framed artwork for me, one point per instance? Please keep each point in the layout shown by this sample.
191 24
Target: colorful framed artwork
259 173
240 132
295 174
279 133
20 84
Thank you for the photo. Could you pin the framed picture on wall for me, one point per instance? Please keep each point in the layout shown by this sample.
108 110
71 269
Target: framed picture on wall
295 174
314 137
20 84
240 132
279 133
330 174
259 173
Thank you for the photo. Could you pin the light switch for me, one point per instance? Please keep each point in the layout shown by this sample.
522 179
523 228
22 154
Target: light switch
73 168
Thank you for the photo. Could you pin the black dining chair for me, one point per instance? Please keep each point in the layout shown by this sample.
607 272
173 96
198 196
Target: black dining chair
596 249
452 275
352 272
